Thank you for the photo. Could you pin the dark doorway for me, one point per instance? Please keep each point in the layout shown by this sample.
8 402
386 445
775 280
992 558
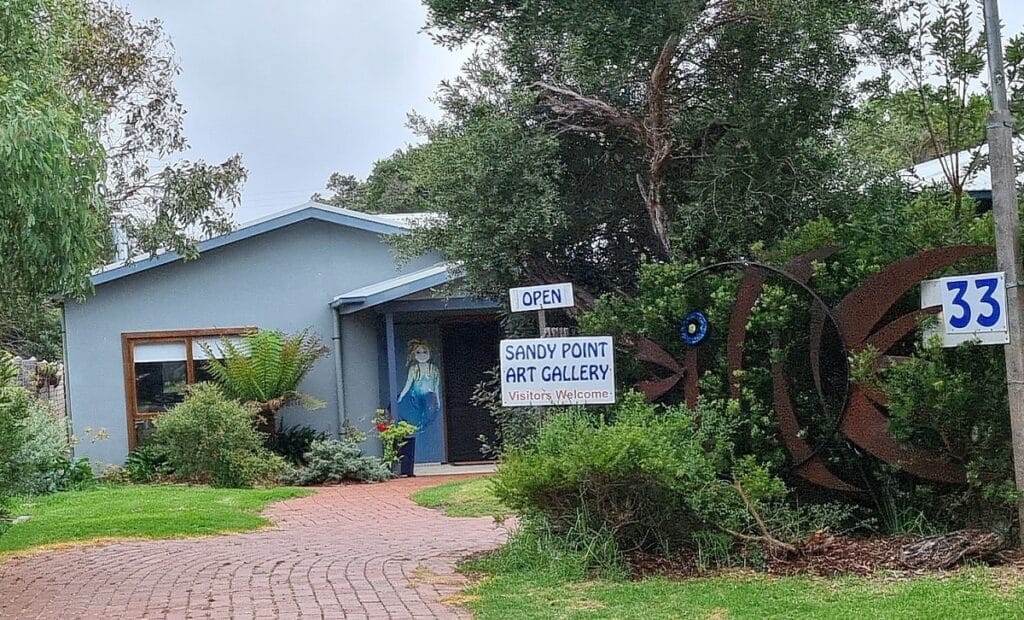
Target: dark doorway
469 351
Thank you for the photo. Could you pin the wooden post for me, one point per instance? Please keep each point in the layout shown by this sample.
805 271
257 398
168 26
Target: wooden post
542 323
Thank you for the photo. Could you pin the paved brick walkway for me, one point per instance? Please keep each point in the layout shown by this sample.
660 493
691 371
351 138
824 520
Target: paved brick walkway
359 551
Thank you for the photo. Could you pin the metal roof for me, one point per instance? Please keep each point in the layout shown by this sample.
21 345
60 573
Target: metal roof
930 173
391 224
394 288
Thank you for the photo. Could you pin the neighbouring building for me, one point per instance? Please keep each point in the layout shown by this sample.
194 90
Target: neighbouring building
398 338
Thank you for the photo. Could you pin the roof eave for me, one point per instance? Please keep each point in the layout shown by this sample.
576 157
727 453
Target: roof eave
309 211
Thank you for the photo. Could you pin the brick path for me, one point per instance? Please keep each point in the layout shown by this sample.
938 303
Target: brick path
360 551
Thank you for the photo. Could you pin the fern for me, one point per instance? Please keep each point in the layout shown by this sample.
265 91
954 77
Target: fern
267 367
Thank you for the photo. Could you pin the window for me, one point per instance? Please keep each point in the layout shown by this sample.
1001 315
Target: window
158 366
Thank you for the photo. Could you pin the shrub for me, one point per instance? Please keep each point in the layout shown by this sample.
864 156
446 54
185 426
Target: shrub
211 438
333 460
43 462
14 405
294 442
146 464
652 479
514 427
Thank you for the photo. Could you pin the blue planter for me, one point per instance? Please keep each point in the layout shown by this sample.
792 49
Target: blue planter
407 457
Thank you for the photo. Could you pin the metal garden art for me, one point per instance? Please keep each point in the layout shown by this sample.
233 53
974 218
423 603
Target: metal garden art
863 318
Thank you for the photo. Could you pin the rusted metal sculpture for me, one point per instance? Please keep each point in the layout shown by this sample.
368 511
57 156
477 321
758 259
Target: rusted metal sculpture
856 320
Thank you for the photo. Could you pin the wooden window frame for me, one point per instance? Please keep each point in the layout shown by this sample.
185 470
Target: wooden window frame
128 342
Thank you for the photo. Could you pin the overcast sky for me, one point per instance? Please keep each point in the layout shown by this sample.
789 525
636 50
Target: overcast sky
303 88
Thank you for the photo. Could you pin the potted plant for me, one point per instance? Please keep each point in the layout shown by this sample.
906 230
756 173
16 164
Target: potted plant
399 441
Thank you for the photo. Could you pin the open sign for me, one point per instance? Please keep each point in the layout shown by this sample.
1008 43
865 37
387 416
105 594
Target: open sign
542 297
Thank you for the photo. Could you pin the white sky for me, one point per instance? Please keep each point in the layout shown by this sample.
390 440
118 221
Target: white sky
303 88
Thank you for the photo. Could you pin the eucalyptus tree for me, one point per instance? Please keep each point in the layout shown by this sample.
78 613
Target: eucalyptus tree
584 139
90 127
51 159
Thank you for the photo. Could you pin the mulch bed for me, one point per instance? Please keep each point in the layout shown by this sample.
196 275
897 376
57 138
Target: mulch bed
830 557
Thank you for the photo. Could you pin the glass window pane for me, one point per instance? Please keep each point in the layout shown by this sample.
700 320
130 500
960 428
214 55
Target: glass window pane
202 368
159 385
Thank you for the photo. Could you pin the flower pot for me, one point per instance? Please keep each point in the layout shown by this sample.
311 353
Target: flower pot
407 457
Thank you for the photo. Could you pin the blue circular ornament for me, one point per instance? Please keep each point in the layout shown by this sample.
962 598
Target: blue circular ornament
694 328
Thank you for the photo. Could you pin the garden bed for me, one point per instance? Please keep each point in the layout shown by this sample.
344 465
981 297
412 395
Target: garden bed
837 556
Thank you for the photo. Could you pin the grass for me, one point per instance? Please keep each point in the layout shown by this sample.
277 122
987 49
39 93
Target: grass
141 511
974 593
531 578
464 498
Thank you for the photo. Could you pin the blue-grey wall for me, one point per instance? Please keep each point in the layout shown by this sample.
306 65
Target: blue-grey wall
280 280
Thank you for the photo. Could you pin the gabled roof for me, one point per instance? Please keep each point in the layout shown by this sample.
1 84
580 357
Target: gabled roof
399 286
391 224
930 173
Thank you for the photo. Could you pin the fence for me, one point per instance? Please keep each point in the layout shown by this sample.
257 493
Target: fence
44 379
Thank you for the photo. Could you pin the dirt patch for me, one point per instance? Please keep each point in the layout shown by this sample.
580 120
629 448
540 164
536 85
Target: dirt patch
424 575
830 557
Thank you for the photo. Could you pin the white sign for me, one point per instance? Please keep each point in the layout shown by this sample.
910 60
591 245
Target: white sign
542 297
973 308
557 371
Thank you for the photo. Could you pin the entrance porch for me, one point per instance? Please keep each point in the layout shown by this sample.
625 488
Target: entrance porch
432 352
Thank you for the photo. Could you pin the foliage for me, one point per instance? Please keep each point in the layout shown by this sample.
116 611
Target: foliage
463 498
528 193
944 401
513 200
338 460
393 437
294 442
14 405
650 479
139 511
514 427
534 548
927 102
347 192
940 400
34 447
889 129
146 464
128 68
50 160
266 370
213 439
30 326
44 462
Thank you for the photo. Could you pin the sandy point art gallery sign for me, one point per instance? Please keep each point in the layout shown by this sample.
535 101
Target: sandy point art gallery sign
557 371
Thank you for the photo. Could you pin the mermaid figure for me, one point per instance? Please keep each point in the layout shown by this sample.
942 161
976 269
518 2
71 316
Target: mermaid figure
421 385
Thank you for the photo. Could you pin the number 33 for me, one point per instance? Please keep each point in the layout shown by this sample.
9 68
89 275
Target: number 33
985 320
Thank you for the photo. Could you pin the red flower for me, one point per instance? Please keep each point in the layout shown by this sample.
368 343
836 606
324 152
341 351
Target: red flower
383 427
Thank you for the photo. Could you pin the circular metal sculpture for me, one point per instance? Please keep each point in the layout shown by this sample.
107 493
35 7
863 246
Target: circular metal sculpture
857 322
694 328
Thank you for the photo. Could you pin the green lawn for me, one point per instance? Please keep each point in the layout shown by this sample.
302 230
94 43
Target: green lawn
978 593
464 498
140 511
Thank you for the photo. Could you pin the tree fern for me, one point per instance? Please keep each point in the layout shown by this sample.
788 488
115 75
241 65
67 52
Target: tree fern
266 368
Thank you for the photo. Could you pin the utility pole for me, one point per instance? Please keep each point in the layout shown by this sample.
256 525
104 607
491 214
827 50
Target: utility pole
1004 206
